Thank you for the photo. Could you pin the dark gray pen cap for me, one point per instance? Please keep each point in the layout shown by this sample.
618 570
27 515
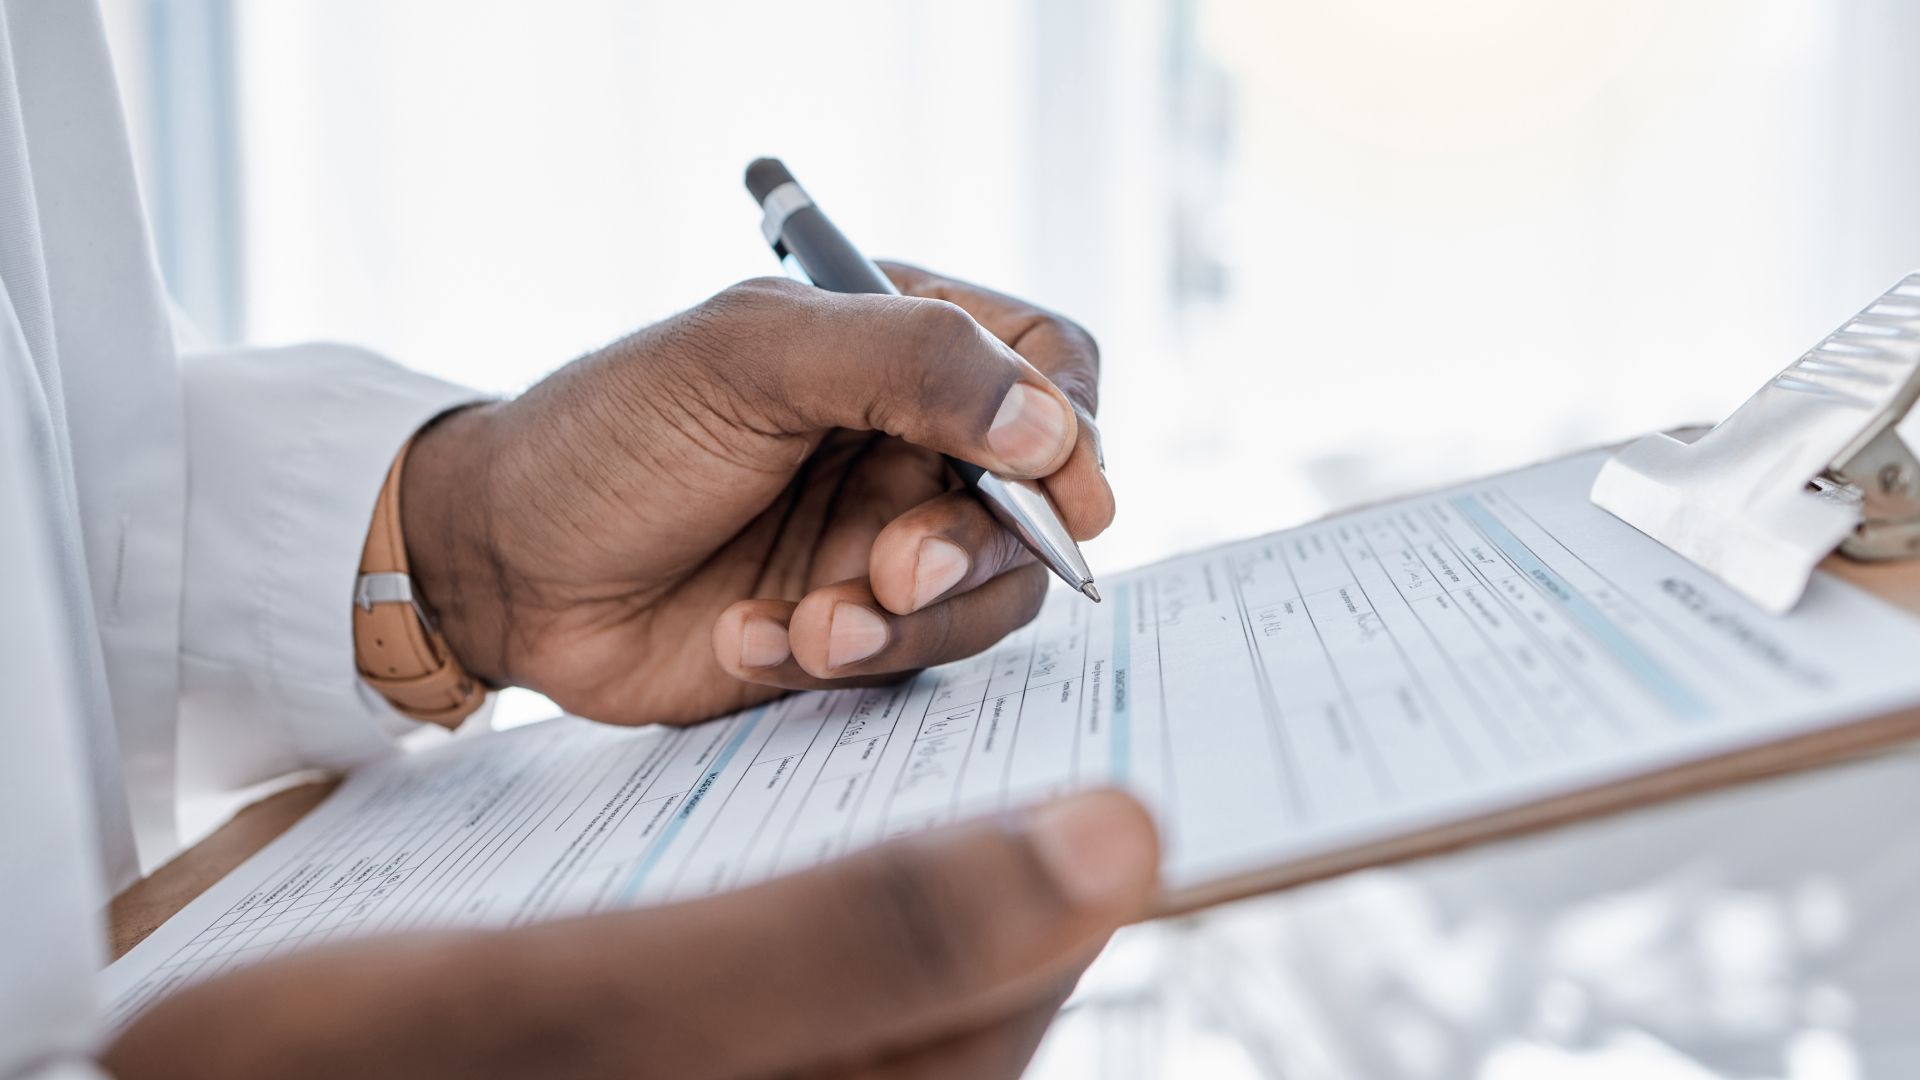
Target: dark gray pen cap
764 175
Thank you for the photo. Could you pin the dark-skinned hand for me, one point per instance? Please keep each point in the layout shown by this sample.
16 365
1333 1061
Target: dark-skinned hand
940 956
748 498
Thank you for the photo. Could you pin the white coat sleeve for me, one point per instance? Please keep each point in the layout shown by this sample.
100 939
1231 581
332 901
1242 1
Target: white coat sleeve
286 452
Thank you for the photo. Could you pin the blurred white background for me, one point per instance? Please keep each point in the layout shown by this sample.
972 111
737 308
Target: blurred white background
1332 252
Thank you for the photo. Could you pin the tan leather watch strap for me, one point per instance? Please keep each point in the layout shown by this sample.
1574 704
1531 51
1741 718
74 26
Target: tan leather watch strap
399 651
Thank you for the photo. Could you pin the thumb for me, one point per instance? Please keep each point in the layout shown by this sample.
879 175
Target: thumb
909 942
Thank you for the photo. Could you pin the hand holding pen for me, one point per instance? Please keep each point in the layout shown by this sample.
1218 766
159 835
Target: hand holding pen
809 243
750 497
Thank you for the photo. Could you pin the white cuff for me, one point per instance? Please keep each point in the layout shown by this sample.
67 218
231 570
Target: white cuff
286 452
62 1069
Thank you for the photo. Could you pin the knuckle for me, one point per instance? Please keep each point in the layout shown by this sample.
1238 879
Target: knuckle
751 312
738 342
728 323
1079 377
769 290
942 325
1082 387
941 342
1081 337
684 355
1077 337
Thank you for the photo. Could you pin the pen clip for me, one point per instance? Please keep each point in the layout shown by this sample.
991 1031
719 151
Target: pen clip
777 207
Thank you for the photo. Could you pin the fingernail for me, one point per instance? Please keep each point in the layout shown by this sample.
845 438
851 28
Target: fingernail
1030 428
854 634
1093 847
763 644
941 566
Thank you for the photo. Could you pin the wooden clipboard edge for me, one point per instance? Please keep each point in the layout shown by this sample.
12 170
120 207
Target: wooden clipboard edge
144 905
1797 753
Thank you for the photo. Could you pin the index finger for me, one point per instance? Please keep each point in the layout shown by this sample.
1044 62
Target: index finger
1060 348
1066 354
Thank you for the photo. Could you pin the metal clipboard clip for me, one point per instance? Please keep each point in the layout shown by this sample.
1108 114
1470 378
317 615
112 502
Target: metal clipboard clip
1812 462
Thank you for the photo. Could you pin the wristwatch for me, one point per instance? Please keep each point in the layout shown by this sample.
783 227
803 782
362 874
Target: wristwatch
399 650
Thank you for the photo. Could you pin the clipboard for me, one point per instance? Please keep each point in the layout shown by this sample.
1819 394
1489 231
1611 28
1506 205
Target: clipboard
136 912
1855 412
1812 463
1897 583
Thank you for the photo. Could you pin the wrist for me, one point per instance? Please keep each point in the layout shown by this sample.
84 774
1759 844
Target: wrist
446 517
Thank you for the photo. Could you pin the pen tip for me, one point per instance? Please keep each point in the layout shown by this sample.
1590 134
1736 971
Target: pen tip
1093 594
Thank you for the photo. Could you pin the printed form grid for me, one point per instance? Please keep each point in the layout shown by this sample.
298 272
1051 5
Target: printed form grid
1386 653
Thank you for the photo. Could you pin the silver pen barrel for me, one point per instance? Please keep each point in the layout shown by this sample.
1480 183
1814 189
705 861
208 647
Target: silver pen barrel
1026 511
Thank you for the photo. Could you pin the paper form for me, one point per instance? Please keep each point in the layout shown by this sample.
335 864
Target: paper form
1421 662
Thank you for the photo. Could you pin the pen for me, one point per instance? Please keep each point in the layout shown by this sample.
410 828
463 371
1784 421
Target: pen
800 232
